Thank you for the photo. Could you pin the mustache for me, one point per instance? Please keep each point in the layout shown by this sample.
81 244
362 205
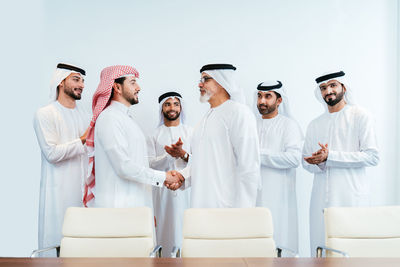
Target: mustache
330 94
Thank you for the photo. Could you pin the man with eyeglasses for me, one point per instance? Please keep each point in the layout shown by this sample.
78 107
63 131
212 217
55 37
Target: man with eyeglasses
225 158
339 144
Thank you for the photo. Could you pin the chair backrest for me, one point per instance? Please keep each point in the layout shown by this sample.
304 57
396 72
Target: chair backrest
228 233
363 231
107 232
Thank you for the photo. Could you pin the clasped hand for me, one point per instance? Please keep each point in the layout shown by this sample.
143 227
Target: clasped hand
318 156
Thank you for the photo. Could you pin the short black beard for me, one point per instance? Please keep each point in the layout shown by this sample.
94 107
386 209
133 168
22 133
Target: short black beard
267 111
339 98
133 101
169 118
71 94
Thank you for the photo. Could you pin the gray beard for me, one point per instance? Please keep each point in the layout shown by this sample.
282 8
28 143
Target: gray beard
204 98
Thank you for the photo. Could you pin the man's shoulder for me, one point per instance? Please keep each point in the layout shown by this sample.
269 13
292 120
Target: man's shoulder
47 111
359 113
239 109
320 118
235 104
108 115
82 109
356 109
157 130
288 121
187 127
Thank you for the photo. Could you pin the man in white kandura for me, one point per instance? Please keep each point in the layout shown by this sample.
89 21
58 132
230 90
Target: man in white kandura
122 175
61 130
167 149
281 140
225 158
339 144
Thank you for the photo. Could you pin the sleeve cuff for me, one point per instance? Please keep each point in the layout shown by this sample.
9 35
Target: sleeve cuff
81 147
331 158
185 172
158 178
322 165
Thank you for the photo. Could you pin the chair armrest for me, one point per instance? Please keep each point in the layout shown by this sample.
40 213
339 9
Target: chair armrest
156 253
35 253
320 249
176 252
290 251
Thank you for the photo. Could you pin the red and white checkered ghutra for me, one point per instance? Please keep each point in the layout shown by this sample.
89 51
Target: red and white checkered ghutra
101 99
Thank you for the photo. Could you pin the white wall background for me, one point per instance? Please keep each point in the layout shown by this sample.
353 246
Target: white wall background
168 42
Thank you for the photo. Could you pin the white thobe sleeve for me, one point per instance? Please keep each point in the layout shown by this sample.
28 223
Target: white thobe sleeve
368 154
114 142
186 174
47 136
244 139
157 162
291 156
308 150
186 171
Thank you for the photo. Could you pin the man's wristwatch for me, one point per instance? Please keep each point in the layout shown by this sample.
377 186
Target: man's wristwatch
185 157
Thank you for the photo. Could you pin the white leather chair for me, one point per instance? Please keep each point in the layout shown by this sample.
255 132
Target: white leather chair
362 232
227 233
107 232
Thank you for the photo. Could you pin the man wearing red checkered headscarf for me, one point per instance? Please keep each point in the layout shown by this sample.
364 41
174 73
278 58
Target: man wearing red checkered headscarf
120 175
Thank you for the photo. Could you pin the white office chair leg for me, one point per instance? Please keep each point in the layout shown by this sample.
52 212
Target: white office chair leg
176 252
290 251
156 253
36 253
320 250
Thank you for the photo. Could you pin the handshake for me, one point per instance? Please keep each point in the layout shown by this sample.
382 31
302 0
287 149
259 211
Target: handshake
173 180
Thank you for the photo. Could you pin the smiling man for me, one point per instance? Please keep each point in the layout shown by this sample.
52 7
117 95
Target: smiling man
122 176
339 144
167 148
61 130
225 158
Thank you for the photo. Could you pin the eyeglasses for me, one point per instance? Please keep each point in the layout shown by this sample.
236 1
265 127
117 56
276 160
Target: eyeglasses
204 79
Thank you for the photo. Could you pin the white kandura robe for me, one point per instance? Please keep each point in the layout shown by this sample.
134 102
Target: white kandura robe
169 206
123 176
64 166
225 162
341 180
281 142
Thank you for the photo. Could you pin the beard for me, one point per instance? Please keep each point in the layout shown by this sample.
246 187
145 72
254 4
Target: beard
204 98
171 118
332 102
71 93
267 110
130 97
133 101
